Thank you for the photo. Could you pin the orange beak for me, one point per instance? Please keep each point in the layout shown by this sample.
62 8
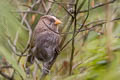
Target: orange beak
57 21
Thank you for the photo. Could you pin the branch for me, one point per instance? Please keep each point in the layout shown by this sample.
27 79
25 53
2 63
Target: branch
62 7
73 40
44 6
87 29
49 6
5 75
13 47
79 28
29 9
28 42
66 3
100 5
81 5
6 66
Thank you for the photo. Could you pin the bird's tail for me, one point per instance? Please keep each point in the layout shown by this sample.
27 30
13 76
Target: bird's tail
47 66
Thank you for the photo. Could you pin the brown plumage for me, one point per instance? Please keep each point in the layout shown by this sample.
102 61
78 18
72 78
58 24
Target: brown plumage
45 42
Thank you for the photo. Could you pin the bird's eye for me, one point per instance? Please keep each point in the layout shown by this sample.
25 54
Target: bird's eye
52 20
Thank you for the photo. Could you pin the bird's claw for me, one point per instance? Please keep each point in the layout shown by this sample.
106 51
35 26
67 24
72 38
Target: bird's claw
45 70
27 70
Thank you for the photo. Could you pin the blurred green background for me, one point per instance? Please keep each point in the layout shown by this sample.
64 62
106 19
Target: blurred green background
97 50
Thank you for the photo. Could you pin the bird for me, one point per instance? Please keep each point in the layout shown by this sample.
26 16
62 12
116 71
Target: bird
44 44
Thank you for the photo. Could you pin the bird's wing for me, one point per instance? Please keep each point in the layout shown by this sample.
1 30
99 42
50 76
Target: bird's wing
46 44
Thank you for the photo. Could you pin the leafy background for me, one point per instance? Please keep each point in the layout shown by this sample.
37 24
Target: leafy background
96 55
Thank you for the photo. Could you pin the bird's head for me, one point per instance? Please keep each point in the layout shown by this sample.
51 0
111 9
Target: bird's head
51 20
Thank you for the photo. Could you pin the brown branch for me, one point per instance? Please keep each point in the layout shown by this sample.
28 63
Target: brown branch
73 40
81 31
44 6
28 26
30 35
67 11
85 18
69 24
6 66
62 7
5 75
28 42
68 28
81 5
29 9
13 47
79 28
49 6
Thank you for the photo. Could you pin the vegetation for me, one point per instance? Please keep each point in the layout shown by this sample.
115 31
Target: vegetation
90 32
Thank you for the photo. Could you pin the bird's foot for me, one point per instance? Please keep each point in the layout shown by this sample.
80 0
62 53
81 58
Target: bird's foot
27 70
45 70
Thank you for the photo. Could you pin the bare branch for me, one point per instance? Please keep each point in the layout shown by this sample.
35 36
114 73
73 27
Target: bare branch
44 6
5 75
6 66
59 3
79 28
81 5
100 5
29 9
73 40
13 47
56 2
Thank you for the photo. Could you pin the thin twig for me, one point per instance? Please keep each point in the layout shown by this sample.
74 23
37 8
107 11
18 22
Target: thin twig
13 47
62 7
29 9
5 75
73 40
100 5
81 5
28 42
6 66
49 6
56 2
78 29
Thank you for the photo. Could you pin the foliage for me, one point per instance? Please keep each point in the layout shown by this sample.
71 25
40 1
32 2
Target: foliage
96 55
